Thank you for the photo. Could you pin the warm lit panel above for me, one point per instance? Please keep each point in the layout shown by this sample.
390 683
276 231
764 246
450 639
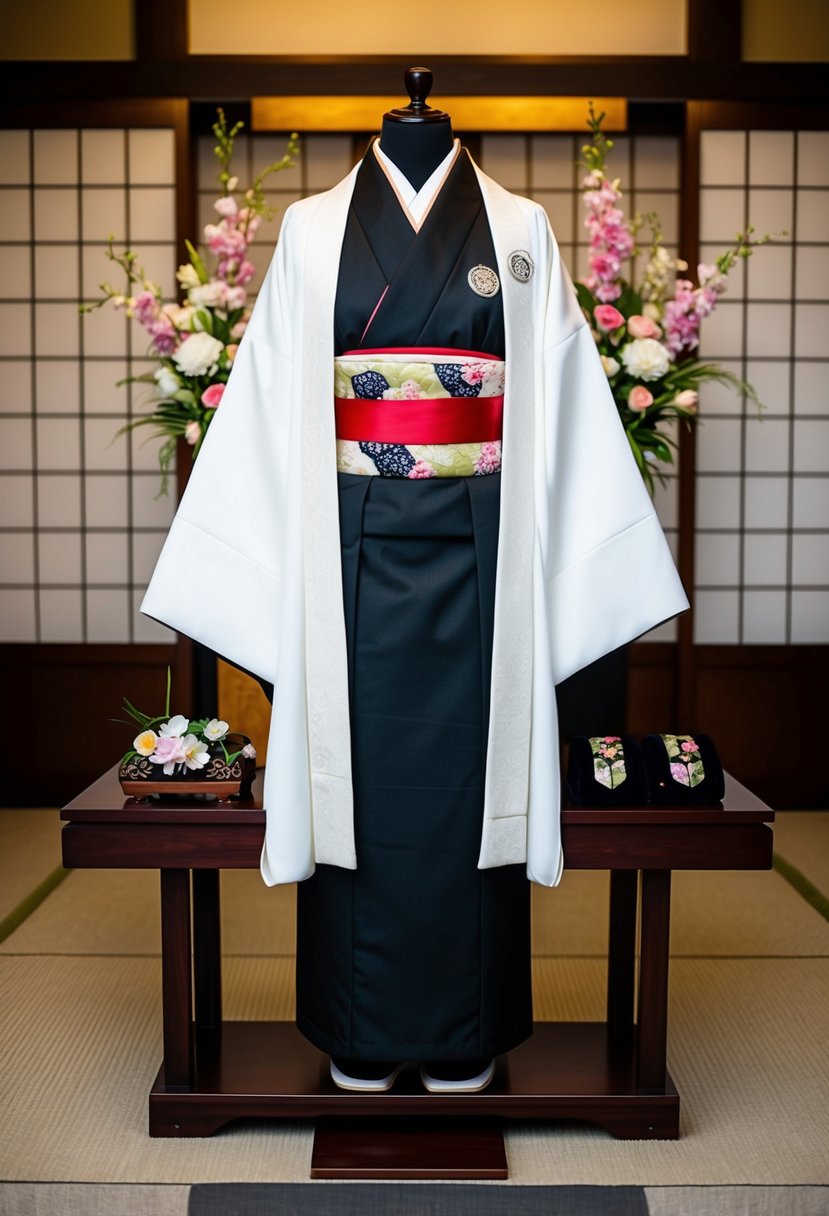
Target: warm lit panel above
467 27
467 113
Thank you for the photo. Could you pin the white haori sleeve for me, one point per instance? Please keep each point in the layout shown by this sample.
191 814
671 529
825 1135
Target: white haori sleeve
219 575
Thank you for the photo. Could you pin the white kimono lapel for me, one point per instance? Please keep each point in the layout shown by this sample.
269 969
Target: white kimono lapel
324 674
504 835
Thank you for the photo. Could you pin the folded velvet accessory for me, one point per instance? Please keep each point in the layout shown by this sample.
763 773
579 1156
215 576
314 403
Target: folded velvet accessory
605 770
682 769
666 769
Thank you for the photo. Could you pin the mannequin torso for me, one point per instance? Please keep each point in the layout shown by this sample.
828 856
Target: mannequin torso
416 148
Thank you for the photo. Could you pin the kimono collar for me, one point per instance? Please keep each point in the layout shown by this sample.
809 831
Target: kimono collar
416 203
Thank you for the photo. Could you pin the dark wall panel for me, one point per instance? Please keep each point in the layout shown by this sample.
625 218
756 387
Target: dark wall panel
56 709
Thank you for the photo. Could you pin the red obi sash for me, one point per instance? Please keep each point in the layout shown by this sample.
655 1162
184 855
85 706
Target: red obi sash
423 420
415 419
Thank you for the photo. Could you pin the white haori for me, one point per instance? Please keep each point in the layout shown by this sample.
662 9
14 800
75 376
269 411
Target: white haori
251 566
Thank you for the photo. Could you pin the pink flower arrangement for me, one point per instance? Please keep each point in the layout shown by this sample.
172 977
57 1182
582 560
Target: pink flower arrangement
196 341
645 335
178 744
610 240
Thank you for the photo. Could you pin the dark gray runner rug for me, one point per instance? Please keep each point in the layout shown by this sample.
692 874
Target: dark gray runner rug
412 1199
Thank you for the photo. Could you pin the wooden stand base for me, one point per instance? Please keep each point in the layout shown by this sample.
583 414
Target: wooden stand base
567 1070
409 1148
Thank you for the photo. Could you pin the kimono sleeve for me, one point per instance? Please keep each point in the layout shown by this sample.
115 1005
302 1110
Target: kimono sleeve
218 577
608 571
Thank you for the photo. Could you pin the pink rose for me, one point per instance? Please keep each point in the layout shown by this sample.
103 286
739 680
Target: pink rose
687 400
169 751
607 317
212 395
643 327
689 745
640 398
192 432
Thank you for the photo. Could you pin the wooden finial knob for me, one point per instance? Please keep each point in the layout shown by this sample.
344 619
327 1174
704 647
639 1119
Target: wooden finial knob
418 82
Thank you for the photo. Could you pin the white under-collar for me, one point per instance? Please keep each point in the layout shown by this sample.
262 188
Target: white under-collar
417 202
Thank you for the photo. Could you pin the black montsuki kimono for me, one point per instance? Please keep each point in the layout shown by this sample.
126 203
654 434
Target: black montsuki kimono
417 954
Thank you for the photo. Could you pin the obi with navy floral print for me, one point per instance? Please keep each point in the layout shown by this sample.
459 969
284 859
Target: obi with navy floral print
419 412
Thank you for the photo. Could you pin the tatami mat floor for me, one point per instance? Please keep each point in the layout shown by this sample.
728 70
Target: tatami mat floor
713 913
80 1037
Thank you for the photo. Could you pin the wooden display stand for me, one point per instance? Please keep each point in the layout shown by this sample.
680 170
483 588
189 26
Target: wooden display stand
609 1073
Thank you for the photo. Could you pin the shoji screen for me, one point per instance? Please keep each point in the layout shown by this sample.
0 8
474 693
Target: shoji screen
80 524
762 491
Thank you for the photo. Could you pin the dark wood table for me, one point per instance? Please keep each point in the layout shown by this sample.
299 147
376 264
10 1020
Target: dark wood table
609 1073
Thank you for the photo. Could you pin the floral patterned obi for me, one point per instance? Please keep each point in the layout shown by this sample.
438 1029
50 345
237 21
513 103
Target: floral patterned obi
418 412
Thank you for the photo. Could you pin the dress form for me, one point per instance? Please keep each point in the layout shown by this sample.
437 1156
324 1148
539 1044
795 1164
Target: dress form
417 137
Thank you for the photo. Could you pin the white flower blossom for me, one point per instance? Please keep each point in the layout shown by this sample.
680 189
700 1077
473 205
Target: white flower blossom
226 205
216 729
181 317
167 382
645 359
145 743
610 365
235 297
208 295
198 355
196 754
176 727
187 275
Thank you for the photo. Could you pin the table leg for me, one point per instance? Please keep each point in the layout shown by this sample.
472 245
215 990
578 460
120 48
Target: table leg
176 982
652 1013
207 950
621 955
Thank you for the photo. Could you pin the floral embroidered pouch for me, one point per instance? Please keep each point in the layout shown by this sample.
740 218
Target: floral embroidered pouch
682 769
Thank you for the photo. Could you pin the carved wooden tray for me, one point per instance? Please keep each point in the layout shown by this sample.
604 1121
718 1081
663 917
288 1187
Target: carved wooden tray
139 778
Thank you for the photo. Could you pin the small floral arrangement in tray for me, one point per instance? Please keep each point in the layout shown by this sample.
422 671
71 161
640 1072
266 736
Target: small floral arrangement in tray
174 754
